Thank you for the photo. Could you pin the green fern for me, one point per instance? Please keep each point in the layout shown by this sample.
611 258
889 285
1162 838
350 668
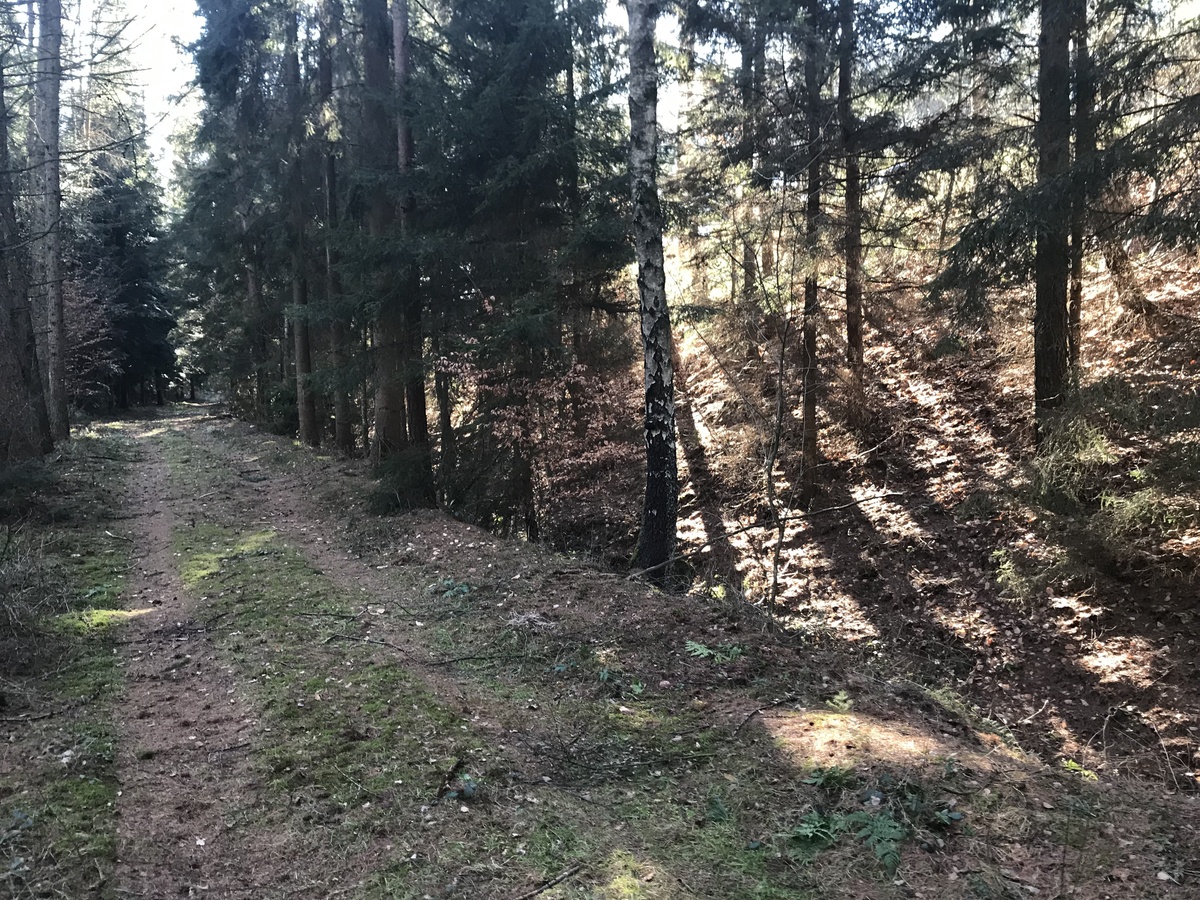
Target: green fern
882 834
724 654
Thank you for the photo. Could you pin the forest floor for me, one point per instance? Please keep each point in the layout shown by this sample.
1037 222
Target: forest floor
267 692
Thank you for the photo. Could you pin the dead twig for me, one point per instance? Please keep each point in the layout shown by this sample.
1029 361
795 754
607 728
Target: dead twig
763 709
489 657
363 640
17 719
553 882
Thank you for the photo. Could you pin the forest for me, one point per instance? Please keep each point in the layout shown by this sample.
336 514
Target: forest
587 449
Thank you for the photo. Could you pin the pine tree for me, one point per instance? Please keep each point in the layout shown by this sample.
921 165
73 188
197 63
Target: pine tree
46 162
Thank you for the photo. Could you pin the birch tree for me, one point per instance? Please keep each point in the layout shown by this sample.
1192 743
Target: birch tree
657 541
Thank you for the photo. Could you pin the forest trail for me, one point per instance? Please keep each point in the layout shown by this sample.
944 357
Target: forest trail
325 704
184 725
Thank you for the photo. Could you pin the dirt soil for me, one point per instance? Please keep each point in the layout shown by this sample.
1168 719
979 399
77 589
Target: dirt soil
185 728
317 702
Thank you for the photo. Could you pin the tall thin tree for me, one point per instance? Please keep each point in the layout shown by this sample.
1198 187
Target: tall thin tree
339 332
853 235
379 150
657 541
414 338
812 218
306 400
46 162
1052 263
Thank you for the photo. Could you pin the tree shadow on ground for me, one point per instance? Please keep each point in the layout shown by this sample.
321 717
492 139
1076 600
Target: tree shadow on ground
721 561
1107 678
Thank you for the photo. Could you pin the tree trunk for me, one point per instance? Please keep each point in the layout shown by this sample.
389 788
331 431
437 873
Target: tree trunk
414 338
339 336
1129 291
1085 154
853 236
446 461
812 215
51 331
657 541
379 141
24 427
306 401
258 342
1053 259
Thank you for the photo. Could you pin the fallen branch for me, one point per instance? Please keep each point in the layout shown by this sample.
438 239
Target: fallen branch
762 709
362 640
490 657
553 882
17 719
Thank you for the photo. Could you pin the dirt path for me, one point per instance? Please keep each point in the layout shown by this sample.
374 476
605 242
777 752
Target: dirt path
185 773
341 705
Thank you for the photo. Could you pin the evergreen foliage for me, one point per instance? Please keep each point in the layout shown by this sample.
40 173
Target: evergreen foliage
449 217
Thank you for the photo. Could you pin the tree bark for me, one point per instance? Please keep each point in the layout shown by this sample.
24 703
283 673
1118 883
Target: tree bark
379 148
812 215
1129 290
1085 154
339 336
258 342
51 330
853 237
306 401
418 421
1053 260
657 541
24 424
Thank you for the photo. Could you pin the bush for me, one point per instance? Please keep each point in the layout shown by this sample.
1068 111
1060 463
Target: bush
29 597
1070 465
404 482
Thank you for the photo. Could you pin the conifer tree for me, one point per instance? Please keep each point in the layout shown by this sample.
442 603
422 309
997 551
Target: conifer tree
46 162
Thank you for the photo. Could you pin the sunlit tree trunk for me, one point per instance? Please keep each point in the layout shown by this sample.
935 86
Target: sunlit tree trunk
853 236
1053 259
51 331
812 215
657 541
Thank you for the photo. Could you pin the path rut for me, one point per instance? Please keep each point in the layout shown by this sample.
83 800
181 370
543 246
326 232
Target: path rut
186 781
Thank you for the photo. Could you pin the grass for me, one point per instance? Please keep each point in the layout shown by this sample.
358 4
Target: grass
492 755
58 804
361 750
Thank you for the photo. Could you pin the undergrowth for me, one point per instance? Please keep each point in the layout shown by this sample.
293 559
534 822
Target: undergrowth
63 573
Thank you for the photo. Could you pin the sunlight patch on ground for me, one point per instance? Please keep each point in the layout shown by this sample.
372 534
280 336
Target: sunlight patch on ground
837 612
824 738
1128 660
888 518
99 619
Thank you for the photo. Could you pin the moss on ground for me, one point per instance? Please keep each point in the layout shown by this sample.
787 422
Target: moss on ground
58 793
